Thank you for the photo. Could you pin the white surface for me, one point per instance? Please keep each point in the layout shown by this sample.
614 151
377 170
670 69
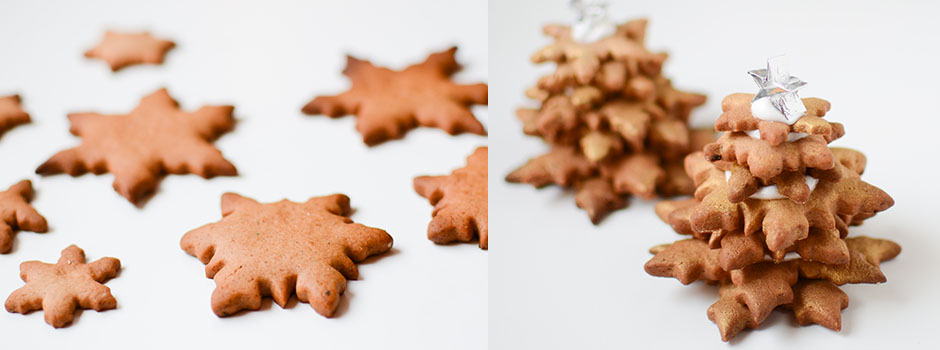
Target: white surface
268 61
558 282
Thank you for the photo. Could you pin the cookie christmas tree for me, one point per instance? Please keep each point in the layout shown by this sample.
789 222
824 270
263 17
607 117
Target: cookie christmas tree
772 206
615 124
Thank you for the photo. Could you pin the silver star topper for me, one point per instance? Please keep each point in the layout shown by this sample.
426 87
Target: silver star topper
780 87
592 23
589 10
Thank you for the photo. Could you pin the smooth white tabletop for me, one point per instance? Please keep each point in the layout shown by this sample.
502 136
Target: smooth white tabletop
268 61
558 282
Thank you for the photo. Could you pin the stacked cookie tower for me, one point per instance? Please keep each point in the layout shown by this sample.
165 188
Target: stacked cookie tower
771 212
616 126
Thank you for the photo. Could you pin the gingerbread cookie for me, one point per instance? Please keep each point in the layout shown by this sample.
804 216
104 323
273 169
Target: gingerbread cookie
11 113
560 166
770 187
831 206
748 295
156 138
282 248
584 60
58 289
387 103
459 200
17 214
615 125
120 50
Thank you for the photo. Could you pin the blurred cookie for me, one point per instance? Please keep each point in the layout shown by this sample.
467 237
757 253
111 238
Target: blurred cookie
16 214
120 50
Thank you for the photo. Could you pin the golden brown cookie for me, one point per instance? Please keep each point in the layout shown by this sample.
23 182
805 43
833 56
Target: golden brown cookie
737 116
820 302
120 50
749 294
610 110
598 198
599 145
275 249
387 103
585 58
688 261
17 214
11 113
637 174
58 289
766 161
561 166
783 221
459 200
139 148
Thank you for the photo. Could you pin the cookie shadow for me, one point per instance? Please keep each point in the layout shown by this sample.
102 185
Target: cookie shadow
376 258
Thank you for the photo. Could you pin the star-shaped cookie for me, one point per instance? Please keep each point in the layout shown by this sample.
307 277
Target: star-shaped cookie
156 138
58 289
120 50
11 113
459 200
275 249
387 103
17 214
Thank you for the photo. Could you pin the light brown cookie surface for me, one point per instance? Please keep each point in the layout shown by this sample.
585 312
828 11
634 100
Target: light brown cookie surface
156 138
459 200
282 248
120 50
749 294
58 289
11 113
831 207
387 103
17 214
584 60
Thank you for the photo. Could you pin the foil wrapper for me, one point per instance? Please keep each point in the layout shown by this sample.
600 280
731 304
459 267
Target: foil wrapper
780 88
592 23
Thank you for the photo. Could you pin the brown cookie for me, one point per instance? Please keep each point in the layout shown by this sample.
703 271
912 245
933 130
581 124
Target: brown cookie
599 145
749 294
637 174
764 160
58 289
783 221
615 124
820 302
597 197
275 249
560 166
11 113
459 200
387 103
120 50
737 116
139 148
584 59
17 214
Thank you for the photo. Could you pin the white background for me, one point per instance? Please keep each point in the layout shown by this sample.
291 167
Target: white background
268 60
558 282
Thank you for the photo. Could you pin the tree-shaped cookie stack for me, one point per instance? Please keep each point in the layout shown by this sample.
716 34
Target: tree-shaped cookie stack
616 126
771 212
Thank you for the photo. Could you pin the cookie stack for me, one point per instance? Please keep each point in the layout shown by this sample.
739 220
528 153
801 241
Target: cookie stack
616 126
771 213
